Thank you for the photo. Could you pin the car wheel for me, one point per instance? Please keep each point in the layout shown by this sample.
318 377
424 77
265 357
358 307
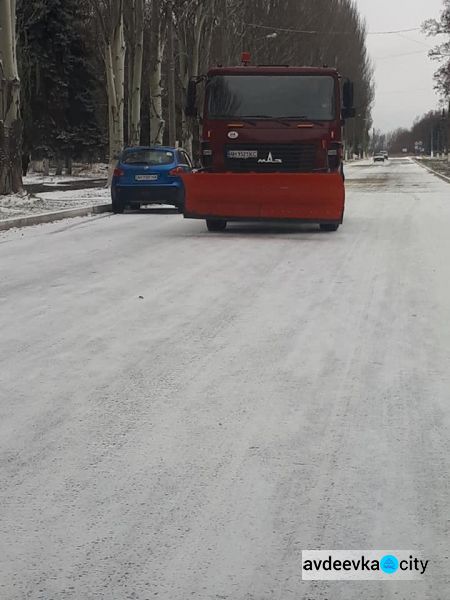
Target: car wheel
118 206
216 224
329 226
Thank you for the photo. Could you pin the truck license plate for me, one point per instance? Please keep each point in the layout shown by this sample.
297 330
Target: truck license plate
242 154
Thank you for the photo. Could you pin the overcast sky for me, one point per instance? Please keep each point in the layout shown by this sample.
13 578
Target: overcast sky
404 84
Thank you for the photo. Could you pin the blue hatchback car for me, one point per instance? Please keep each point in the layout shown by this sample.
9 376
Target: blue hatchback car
149 175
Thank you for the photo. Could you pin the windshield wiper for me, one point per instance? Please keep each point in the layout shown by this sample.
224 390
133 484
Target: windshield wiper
305 118
269 118
231 118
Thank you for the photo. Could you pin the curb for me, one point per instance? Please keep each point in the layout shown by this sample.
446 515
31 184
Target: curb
69 213
427 168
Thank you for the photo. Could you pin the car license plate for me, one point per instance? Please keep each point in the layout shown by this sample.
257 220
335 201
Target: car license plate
242 154
146 177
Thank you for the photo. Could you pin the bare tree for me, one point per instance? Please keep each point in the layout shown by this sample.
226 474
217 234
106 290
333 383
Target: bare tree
441 52
10 124
110 18
134 22
158 34
192 18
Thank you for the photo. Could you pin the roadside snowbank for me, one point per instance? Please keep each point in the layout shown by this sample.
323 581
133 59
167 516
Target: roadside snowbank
95 171
18 205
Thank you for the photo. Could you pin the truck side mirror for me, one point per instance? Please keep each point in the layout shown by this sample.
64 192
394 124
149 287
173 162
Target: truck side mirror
191 103
348 113
348 95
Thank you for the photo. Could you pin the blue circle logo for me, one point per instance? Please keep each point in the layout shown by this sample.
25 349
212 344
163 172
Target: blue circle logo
389 564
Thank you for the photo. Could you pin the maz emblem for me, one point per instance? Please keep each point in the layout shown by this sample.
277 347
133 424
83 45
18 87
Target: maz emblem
270 159
233 135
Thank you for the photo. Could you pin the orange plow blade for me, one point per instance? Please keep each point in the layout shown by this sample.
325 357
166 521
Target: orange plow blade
233 196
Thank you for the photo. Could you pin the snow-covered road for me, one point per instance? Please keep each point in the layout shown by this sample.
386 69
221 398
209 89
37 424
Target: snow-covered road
182 413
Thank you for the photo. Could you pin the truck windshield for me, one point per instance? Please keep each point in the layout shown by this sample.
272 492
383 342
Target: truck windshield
271 96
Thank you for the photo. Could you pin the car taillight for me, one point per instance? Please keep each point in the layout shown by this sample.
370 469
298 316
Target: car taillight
175 172
118 173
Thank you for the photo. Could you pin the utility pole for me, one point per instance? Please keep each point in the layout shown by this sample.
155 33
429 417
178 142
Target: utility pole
171 82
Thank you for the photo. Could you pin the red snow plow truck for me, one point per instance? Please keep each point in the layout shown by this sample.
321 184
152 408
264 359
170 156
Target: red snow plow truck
271 145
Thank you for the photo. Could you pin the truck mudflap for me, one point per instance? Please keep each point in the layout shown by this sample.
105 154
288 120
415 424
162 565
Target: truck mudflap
313 197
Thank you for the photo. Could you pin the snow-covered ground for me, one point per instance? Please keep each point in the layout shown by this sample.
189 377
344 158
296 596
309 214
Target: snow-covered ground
52 180
95 171
19 205
182 413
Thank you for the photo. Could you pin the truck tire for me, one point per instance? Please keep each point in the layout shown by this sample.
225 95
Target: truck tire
329 226
216 224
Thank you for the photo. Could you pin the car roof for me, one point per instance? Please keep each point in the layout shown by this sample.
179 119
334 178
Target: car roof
162 148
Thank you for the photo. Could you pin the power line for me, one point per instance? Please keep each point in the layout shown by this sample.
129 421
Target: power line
400 55
394 32
405 37
311 32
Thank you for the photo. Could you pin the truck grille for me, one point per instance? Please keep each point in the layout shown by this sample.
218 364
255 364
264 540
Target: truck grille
267 158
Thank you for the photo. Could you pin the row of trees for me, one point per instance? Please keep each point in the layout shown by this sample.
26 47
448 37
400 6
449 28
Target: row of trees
100 74
428 135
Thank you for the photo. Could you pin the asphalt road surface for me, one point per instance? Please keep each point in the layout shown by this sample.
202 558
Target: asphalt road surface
182 413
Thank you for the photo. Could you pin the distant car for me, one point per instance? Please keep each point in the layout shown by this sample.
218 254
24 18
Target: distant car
385 154
149 175
379 157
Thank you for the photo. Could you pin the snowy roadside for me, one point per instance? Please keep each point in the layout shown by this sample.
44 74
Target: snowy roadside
21 205
440 167
53 180
95 171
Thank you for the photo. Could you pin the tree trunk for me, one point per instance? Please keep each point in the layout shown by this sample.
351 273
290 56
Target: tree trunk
171 84
115 77
11 133
136 58
157 123
190 68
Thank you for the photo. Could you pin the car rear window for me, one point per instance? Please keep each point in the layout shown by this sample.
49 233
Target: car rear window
148 157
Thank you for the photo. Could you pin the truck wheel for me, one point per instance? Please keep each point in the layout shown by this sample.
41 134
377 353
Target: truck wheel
329 226
216 224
